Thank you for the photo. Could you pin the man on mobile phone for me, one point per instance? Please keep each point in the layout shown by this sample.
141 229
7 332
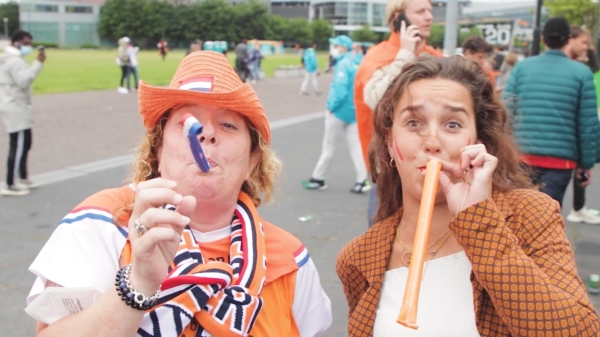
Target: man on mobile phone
16 77
384 62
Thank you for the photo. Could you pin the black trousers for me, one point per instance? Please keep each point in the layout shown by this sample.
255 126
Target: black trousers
554 181
20 144
242 69
124 75
578 194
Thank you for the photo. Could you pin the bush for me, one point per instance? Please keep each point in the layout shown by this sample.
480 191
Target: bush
45 44
88 46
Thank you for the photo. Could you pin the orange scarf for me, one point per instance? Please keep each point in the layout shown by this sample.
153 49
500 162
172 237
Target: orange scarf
377 57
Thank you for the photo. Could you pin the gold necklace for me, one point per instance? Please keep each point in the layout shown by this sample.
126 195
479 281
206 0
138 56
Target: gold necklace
408 254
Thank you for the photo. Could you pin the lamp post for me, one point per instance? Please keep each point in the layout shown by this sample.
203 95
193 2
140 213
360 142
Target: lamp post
5 26
535 49
451 31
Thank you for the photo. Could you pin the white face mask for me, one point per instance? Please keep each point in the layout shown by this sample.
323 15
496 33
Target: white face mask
26 50
335 53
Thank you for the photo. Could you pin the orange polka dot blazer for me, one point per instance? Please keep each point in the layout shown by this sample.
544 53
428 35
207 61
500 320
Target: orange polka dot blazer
524 278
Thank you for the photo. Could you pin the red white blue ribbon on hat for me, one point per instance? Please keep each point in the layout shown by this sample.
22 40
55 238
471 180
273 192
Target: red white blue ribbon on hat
201 84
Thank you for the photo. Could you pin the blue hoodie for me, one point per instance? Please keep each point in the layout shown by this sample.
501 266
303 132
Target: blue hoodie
340 100
310 60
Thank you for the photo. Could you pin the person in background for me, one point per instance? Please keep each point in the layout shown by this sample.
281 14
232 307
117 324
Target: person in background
509 63
196 45
498 58
553 101
16 77
163 48
123 62
253 63
132 52
357 52
309 60
577 49
340 118
241 53
384 62
476 49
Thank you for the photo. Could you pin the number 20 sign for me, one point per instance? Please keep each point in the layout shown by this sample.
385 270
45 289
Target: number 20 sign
496 34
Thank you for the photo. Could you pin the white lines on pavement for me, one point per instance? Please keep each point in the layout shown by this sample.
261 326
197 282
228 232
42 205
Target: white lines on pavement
296 120
105 164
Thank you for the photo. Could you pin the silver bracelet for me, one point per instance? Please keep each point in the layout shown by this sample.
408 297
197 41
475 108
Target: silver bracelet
129 295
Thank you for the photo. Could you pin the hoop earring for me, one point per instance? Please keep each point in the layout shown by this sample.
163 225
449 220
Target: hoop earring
392 163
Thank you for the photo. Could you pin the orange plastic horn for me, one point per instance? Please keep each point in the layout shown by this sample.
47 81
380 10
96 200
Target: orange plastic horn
408 312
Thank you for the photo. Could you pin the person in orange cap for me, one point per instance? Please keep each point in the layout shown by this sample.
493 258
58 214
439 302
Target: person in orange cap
191 254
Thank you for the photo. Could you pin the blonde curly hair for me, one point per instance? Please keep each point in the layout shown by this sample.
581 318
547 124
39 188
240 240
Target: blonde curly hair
259 187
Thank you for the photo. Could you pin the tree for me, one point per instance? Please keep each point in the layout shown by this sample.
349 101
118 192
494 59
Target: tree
298 31
11 12
576 12
365 34
276 28
436 36
250 20
144 21
211 20
321 31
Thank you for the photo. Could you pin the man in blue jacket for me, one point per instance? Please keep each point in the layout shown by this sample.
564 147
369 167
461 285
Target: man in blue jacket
556 121
341 118
309 59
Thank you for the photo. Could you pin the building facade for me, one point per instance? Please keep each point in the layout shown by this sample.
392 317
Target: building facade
68 24
290 8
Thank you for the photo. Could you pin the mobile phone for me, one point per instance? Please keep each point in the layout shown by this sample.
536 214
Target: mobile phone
584 177
398 22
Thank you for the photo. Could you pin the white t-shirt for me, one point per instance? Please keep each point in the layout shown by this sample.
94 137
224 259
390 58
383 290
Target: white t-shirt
85 248
445 301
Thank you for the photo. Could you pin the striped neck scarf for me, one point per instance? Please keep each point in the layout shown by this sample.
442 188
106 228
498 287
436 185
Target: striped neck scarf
218 298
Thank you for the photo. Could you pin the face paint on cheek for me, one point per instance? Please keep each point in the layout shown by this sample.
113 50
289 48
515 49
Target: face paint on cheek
398 153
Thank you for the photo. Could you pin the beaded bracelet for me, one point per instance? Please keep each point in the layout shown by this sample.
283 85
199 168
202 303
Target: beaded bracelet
130 296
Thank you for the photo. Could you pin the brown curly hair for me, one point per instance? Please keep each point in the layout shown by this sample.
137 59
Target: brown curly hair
259 187
491 124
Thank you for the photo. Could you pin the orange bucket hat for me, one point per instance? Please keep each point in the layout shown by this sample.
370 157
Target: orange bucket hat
204 77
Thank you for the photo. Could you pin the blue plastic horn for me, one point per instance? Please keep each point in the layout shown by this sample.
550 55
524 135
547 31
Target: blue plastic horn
192 129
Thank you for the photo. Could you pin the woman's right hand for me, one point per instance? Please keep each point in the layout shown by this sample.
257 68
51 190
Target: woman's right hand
409 37
154 250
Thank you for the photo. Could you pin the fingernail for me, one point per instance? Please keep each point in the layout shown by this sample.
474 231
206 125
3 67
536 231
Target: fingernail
177 198
171 183
185 220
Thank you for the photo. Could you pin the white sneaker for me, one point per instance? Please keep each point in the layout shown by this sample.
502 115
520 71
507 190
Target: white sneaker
26 183
583 215
122 90
14 190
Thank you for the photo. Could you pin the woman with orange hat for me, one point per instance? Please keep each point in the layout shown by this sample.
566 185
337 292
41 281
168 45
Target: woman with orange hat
182 252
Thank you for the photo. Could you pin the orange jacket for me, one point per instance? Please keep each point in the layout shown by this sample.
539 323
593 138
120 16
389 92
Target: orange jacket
380 55
525 282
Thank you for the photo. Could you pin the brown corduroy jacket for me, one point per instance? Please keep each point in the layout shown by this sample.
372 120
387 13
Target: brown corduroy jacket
524 277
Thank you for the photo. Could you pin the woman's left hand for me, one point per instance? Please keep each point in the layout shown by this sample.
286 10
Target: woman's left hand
475 172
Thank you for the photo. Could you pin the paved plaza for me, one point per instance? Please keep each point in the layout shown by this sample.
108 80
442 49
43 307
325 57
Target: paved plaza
74 130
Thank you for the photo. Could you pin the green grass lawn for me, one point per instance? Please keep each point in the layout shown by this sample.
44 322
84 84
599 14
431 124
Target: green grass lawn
84 70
